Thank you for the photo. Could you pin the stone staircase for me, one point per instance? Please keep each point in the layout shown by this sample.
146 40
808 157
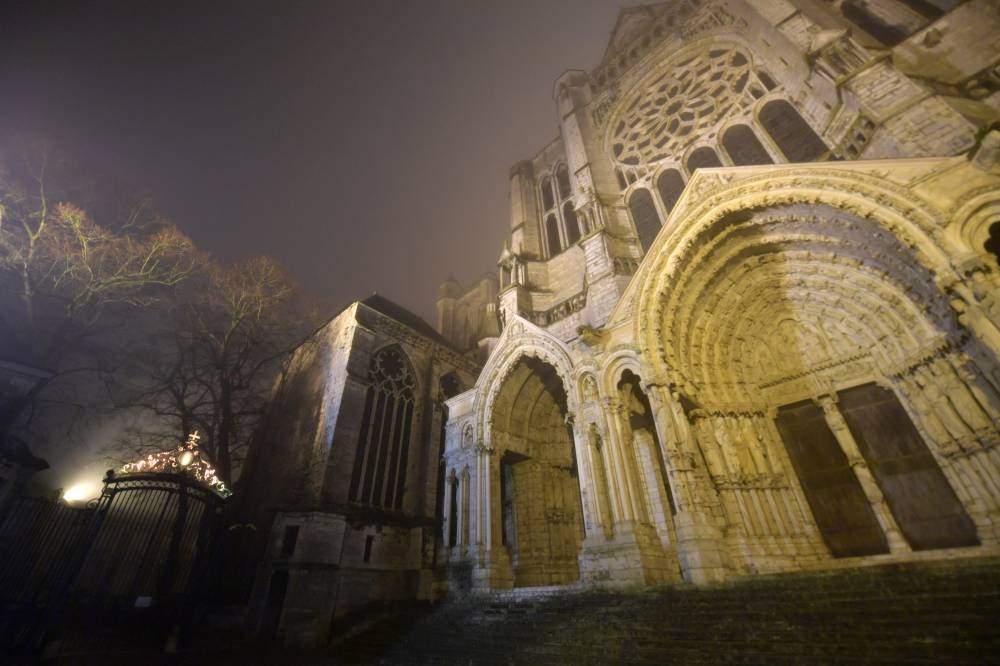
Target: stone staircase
930 612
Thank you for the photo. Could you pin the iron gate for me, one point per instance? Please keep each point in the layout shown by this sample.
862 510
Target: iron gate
145 548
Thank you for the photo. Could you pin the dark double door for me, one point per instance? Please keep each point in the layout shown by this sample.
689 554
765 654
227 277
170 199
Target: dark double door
918 494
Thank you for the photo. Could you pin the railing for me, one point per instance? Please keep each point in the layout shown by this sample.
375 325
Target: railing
149 542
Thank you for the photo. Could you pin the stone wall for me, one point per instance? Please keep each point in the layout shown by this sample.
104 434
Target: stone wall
331 547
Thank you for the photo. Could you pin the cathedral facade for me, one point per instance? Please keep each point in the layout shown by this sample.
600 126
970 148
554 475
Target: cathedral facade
746 320
750 315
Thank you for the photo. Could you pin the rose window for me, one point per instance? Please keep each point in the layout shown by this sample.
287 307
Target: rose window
683 104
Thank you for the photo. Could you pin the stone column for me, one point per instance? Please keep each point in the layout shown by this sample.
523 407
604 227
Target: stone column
589 479
834 419
621 502
622 445
484 462
700 546
658 505
492 569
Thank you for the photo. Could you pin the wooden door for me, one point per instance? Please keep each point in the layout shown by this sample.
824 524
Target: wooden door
842 512
920 497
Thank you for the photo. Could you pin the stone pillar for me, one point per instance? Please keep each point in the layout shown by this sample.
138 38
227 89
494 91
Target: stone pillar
620 512
621 446
700 546
589 478
657 504
484 473
834 419
629 551
492 569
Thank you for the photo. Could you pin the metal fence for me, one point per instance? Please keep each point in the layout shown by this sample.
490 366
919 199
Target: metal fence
145 547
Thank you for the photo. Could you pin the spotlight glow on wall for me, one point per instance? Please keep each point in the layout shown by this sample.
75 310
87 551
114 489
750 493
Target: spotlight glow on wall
81 492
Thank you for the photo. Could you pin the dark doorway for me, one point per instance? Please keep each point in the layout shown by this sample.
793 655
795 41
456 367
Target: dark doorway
842 512
453 508
538 517
924 504
271 619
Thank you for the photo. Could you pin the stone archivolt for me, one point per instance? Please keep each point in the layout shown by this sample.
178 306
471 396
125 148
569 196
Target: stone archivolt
761 291
520 339
780 293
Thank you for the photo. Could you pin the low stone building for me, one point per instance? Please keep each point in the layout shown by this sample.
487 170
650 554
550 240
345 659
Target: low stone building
341 483
748 322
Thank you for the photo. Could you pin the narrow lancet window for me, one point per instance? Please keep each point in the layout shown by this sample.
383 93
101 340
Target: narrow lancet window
383 445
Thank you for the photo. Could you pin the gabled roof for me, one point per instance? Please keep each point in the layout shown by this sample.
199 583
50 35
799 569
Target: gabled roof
400 314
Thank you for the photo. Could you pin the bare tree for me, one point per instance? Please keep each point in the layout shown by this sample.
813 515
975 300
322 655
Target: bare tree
211 365
65 278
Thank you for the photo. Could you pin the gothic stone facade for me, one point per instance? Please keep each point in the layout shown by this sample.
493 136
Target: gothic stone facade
750 316
747 320
341 483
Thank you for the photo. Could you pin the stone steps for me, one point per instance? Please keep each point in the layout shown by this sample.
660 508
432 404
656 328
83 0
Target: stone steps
920 613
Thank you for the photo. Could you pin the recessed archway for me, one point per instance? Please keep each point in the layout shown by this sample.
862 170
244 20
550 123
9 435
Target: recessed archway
540 519
785 308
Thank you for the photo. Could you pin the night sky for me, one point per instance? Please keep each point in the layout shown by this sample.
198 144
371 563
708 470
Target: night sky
365 145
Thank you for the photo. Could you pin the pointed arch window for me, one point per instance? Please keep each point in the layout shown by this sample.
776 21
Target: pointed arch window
552 235
561 226
644 216
548 199
379 477
702 158
793 135
744 147
670 185
562 180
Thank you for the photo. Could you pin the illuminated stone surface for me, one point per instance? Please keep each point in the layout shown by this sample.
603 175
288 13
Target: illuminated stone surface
797 368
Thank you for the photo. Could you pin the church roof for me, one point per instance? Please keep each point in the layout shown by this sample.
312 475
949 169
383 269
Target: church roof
397 312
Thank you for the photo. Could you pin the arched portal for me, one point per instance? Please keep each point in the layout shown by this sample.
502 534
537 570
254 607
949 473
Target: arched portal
814 342
539 518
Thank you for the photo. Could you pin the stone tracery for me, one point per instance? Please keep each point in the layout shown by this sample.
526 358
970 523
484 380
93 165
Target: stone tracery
687 100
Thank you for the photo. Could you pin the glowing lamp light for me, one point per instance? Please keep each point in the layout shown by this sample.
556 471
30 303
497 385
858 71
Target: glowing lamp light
81 492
